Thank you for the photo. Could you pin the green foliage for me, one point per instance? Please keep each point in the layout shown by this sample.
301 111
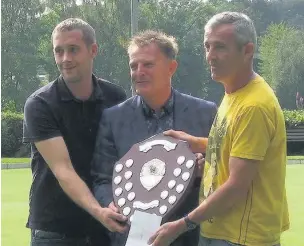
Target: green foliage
289 69
11 133
282 55
269 44
27 49
19 50
111 20
9 105
44 51
294 118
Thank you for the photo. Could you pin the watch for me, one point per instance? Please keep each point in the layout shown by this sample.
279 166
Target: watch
190 224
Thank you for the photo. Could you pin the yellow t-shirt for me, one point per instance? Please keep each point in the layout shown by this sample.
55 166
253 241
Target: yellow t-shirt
250 125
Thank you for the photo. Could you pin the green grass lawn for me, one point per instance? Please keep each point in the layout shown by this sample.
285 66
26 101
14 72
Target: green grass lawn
295 186
15 160
295 157
15 185
14 209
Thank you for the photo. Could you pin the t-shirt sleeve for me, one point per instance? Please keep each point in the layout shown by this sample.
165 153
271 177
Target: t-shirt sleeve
251 134
39 121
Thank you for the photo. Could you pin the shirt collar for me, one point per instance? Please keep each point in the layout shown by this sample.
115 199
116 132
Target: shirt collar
66 95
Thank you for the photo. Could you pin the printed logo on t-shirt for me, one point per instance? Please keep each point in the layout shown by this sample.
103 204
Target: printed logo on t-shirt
217 133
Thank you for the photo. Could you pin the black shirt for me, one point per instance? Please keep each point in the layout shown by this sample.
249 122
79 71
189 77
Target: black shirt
53 111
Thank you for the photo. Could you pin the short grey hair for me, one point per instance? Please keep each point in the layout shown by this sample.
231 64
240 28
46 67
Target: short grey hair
167 44
72 24
244 28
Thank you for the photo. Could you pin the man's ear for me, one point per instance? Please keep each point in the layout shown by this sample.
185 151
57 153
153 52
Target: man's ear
94 49
249 51
173 67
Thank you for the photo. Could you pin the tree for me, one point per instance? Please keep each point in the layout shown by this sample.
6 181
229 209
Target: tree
269 44
27 48
111 20
282 56
289 69
19 48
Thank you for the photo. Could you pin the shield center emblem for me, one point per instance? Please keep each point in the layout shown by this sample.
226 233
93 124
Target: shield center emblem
152 173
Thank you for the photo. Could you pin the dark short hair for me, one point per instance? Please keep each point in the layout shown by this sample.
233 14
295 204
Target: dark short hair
71 24
166 43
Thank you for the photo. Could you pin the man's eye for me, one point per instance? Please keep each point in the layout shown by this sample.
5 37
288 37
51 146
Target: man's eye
133 67
73 49
220 46
58 51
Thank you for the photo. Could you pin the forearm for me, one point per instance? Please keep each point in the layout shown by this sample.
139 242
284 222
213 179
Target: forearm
233 191
103 193
199 144
78 191
220 202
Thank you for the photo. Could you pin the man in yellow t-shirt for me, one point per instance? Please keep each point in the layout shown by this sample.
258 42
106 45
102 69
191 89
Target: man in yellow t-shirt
243 198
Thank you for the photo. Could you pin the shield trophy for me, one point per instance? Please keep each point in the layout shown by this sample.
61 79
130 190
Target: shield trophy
154 176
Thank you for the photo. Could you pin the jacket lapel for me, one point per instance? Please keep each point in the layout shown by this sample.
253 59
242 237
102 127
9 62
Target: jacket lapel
180 107
139 130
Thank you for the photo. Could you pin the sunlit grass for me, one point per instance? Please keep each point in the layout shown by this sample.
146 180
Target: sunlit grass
15 160
16 185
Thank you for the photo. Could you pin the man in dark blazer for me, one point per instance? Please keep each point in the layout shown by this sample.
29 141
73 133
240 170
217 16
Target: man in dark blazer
156 107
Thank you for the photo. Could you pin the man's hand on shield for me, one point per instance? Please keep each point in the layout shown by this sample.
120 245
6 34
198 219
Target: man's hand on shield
113 220
200 162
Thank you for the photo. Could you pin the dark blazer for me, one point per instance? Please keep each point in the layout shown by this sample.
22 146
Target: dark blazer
124 125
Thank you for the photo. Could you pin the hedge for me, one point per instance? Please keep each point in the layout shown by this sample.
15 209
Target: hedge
11 125
294 118
11 133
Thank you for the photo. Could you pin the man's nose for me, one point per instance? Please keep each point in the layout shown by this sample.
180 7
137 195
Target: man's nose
140 69
66 56
210 54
